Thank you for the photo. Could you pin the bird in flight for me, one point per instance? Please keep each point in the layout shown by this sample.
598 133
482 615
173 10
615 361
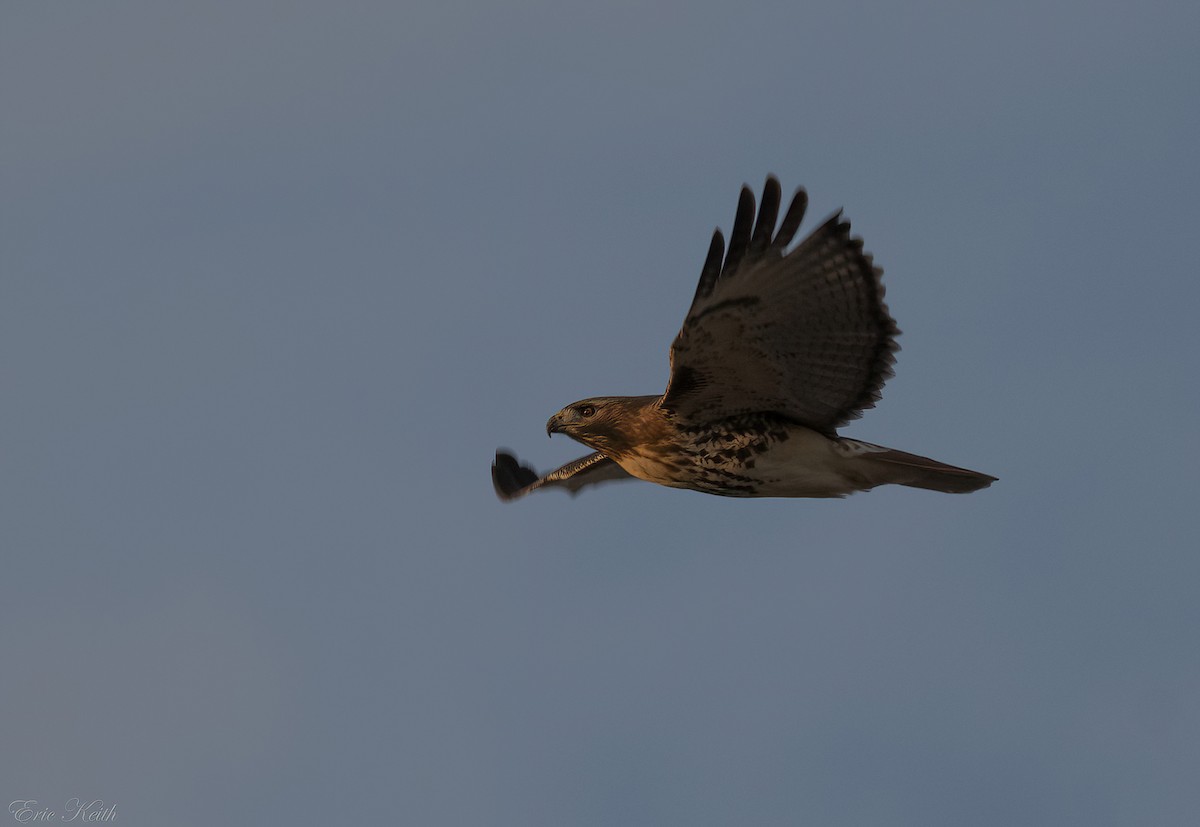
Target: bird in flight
778 350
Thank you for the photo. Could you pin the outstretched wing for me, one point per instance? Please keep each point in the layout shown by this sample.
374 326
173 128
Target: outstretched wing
804 334
512 479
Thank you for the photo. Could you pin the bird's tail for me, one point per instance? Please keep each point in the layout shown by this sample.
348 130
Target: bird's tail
890 466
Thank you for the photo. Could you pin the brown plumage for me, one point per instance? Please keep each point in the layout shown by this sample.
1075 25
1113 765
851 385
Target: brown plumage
778 350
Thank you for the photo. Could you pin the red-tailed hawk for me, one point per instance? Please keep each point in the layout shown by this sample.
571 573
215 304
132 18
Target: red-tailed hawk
778 351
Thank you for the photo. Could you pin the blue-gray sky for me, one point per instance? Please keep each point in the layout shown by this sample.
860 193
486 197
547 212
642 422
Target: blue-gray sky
276 279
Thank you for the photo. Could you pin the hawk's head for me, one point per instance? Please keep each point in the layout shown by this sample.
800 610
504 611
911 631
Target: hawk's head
605 423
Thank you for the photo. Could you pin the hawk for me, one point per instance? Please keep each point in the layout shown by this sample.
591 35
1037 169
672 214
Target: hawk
778 351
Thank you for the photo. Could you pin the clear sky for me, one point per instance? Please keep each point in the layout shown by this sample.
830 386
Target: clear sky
276 279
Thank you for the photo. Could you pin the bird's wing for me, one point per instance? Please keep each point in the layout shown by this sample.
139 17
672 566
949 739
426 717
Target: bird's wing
512 479
804 334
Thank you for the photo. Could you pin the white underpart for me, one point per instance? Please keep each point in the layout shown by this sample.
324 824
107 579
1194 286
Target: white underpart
809 464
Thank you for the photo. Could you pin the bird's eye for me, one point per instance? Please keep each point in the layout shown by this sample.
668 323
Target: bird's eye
587 410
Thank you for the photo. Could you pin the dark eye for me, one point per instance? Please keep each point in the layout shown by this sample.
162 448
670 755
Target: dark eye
587 410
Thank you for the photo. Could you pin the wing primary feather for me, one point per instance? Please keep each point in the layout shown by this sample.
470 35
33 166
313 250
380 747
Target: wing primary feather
832 227
791 220
768 213
712 266
510 478
739 237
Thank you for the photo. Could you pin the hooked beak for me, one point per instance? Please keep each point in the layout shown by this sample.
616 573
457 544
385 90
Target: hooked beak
554 425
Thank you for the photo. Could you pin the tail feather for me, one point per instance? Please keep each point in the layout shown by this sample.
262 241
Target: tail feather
901 468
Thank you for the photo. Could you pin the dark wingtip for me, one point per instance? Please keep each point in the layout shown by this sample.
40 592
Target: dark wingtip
712 265
791 220
509 477
768 213
743 226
